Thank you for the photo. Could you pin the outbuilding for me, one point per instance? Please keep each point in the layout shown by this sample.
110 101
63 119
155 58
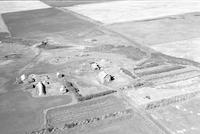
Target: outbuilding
104 77
41 89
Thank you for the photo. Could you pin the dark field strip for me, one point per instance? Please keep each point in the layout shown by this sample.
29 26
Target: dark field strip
177 77
127 72
150 65
169 73
37 24
13 56
158 69
92 96
187 74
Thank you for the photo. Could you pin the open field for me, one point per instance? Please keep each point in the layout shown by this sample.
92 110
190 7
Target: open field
162 30
66 3
186 114
122 11
132 124
188 49
44 22
161 97
131 121
21 113
131 52
16 6
59 117
164 93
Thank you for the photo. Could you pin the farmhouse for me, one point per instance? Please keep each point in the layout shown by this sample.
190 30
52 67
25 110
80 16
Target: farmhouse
104 77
